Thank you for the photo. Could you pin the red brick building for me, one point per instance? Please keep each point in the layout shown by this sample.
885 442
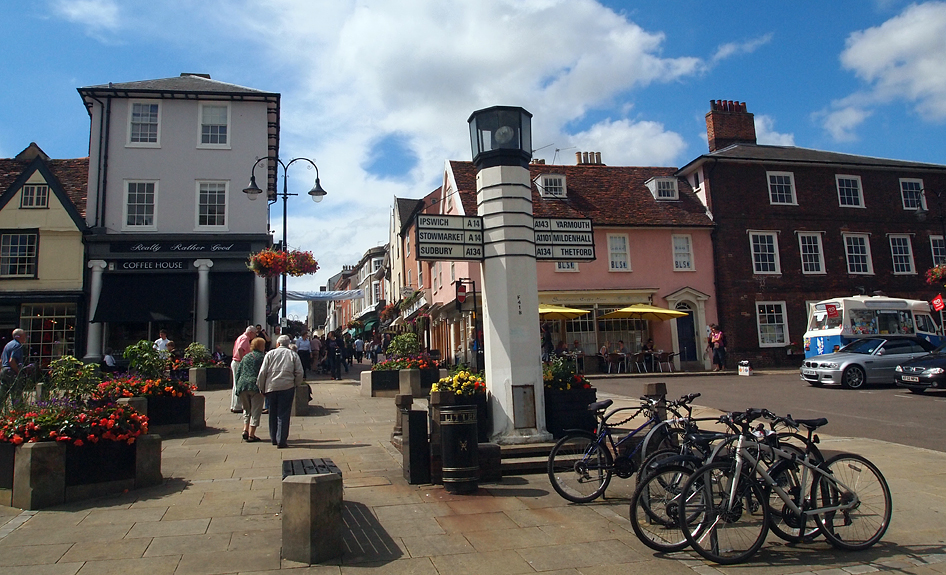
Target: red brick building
795 226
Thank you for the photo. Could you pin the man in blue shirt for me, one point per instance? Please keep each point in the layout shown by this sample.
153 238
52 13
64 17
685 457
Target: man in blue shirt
12 360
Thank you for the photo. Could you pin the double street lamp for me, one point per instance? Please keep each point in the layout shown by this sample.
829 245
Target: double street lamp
253 191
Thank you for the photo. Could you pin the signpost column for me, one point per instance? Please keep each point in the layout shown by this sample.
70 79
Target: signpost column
502 148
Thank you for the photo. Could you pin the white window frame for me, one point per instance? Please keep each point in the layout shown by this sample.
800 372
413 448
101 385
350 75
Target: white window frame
690 264
200 126
791 187
131 108
664 189
941 249
566 267
375 292
847 253
420 274
752 252
801 252
860 190
559 190
154 219
784 323
31 248
226 207
407 246
891 238
625 259
35 190
409 279
921 200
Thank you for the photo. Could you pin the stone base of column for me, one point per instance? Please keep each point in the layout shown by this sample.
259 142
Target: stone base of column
521 436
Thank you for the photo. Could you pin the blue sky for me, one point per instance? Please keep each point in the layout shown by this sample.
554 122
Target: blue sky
377 92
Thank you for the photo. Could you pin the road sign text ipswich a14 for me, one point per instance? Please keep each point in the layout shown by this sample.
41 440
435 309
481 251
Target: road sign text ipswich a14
449 238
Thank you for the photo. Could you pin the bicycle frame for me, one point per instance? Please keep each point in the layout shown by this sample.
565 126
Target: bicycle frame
744 456
604 431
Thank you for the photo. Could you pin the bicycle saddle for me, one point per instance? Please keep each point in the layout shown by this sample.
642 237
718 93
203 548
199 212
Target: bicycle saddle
812 424
599 405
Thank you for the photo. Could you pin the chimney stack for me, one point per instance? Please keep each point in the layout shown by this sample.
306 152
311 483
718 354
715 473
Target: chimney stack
588 159
729 123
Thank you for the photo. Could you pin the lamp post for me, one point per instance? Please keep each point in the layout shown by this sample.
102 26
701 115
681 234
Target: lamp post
921 214
253 191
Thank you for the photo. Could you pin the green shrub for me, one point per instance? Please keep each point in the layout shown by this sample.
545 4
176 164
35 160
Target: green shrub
404 345
145 360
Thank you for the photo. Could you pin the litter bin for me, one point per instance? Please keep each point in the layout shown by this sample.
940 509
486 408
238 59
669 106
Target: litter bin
459 448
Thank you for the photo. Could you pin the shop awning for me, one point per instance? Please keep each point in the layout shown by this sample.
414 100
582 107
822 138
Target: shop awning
145 297
231 296
369 325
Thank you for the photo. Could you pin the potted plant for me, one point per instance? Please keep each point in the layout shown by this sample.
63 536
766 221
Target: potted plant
567 397
404 353
169 400
463 387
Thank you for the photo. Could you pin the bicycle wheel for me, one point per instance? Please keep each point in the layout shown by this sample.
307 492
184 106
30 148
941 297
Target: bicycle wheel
783 521
658 459
724 517
858 481
580 468
655 506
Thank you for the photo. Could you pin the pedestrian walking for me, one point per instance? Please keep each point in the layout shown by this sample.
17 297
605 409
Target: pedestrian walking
316 344
718 339
241 347
304 347
12 363
278 377
333 356
247 389
359 349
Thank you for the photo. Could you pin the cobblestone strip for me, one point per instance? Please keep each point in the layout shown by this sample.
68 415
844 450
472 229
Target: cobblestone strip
11 525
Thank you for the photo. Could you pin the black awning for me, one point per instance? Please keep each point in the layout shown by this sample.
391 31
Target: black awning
145 297
231 296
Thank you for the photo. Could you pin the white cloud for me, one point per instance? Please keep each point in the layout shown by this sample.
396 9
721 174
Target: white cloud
766 134
902 59
842 122
626 143
737 48
96 16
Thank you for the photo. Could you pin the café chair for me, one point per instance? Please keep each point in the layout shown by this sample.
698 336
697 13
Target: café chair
665 358
616 361
639 362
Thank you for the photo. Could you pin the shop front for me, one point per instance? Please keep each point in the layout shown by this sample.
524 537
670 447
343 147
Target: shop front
195 290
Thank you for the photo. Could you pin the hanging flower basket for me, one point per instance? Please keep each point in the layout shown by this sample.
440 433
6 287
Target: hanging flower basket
936 274
271 263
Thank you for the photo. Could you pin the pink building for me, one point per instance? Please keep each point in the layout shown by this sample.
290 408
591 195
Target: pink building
653 244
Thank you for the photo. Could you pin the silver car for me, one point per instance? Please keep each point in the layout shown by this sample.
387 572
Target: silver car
864 360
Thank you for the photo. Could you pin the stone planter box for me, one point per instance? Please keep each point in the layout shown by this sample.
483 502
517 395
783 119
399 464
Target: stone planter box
218 377
568 409
391 383
40 475
170 415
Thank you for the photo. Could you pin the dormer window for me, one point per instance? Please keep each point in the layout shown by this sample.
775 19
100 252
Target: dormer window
663 188
551 185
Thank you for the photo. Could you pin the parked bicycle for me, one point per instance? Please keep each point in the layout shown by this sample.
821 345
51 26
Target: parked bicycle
582 463
724 508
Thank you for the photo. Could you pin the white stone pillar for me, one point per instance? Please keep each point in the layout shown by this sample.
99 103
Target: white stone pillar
93 341
259 300
202 326
511 305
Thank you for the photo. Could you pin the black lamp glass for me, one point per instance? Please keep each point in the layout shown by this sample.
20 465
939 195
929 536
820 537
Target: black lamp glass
501 136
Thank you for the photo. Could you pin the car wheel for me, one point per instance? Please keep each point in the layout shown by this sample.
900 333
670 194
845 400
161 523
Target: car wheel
853 377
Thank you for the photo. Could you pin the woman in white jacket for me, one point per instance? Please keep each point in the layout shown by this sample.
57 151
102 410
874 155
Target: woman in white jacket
278 377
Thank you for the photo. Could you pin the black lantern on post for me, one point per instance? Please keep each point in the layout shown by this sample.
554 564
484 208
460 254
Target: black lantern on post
501 136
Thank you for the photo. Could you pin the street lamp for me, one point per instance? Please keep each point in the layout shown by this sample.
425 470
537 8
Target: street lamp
253 191
922 212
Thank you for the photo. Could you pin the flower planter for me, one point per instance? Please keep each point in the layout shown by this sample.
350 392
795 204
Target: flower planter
44 474
568 409
218 377
169 410
380 383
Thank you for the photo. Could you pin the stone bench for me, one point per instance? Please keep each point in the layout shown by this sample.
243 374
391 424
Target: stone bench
311 510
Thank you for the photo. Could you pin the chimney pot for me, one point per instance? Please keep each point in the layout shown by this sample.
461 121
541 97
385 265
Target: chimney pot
598 158
584 158
577 158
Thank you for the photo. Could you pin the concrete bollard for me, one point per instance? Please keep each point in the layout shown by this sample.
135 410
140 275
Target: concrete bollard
197 376
366 383
300 402
198 406
409 382
312 517
658 391
148 461
139 404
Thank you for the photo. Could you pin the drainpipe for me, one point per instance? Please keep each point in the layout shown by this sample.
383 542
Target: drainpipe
100 185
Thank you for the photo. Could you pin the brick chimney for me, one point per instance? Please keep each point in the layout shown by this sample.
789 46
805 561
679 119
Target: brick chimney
729 123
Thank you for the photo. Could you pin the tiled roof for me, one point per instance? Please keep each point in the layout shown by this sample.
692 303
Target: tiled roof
73 176
183 83
406 208
791 154
609 195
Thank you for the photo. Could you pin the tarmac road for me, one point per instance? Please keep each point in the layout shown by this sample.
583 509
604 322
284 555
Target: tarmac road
876 412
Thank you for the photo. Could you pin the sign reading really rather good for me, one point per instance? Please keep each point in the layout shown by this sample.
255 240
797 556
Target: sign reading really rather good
564 239
449 237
